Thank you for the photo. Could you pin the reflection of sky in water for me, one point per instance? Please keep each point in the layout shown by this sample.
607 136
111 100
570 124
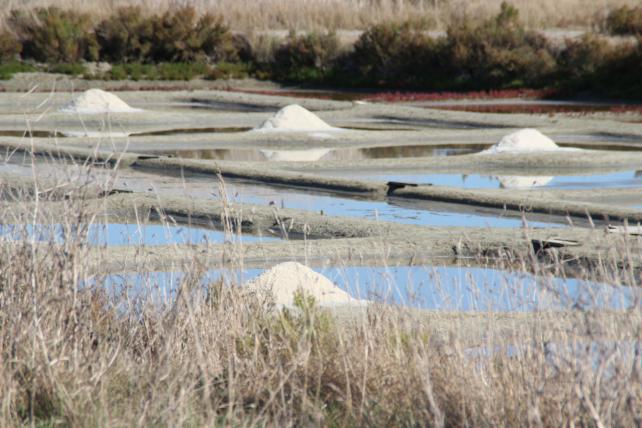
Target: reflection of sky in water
120 234
317 202
334 206
205 187
442 288
475 181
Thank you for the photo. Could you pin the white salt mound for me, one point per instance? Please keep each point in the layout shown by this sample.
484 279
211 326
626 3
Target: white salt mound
95 134
294 118
525 140
282 281
523 182
95 101
310 155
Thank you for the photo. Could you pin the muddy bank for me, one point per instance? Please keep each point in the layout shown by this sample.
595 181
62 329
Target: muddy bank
540 201
336 238
52 150
500 198
544 163
260 175
521 202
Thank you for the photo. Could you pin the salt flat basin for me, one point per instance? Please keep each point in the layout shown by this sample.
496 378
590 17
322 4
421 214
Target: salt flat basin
311 155
447 288
478 181
242 192
119 234
436 214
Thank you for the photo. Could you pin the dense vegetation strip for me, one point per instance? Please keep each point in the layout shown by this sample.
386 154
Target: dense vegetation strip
475 54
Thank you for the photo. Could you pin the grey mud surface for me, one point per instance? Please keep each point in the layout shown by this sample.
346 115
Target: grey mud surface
607 146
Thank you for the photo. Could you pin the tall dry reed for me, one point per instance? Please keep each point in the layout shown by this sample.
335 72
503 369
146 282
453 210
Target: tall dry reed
81 348
355 14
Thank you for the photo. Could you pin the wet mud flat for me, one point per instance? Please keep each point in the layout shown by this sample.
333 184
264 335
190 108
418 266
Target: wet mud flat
387 187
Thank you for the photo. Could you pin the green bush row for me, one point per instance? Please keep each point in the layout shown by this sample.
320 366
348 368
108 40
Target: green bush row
624 21
55 35
179 45
496 53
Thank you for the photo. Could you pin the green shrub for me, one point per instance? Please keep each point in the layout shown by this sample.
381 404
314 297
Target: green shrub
396 54
8 69
620 76
499 52
178 36
582 59
10 47
602 68
305 57
125 36
117 72
228 70
54 35
182 70
624 21
241 50
163 71
71 69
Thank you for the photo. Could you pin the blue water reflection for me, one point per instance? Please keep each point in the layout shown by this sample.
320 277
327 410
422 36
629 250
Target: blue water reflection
117 234
378 210
439 288
244 192
477 181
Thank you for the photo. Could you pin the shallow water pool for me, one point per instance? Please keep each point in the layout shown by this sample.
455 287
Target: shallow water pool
477 181
449 288
117 234
382 152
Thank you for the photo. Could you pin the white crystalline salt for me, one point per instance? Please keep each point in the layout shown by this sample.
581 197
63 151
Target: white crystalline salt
525 140
283 281
310 155
523 182
96 101
294 118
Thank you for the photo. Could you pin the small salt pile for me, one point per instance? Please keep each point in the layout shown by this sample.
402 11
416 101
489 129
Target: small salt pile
283 281
96 101
294 118
523 182
310 155
525 140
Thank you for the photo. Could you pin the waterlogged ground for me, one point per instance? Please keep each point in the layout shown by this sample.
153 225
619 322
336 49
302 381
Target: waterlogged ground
115 234
447 288
431 143
620 179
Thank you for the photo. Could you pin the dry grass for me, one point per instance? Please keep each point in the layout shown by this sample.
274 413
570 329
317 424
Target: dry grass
75 352
356 14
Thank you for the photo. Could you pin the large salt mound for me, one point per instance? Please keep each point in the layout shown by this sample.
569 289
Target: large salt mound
525 140
523 182
95 101
294 118
282 281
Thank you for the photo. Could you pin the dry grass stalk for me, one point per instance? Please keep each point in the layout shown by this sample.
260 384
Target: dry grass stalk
83 350
355 14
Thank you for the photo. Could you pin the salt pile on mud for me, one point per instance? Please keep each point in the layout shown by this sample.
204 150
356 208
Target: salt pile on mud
95 101
310 155
294 118
523 182
281 282
525 140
